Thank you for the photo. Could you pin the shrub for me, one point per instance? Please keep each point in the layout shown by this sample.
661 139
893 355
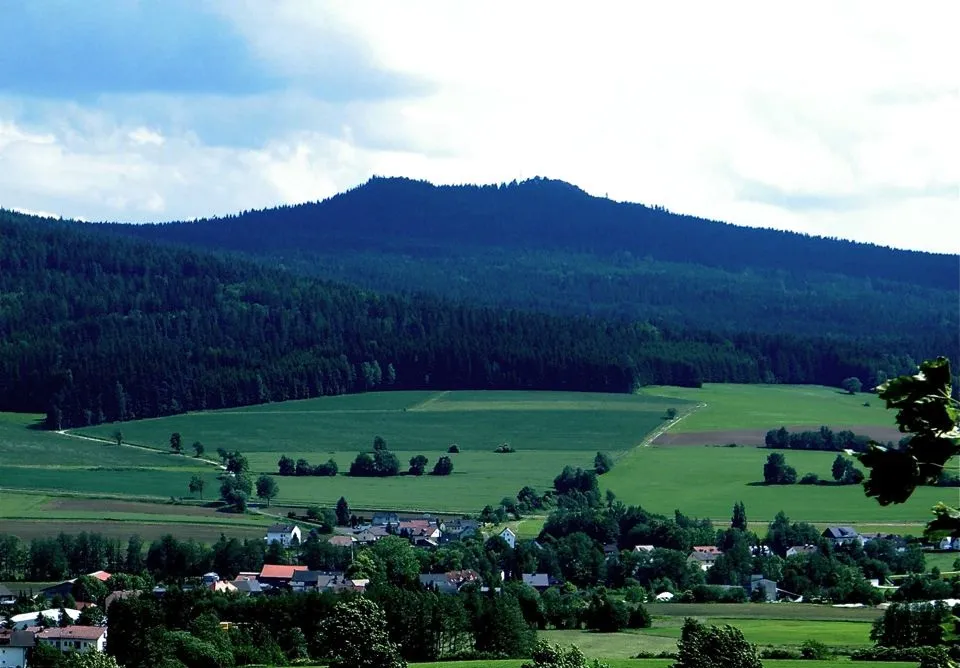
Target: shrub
504 448
780 654
453 449
703 646
602 463
814 650
810 479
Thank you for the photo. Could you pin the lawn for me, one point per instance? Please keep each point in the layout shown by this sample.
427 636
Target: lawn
707 481
730 406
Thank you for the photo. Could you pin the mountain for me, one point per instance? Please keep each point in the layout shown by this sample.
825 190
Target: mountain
96 327
546 245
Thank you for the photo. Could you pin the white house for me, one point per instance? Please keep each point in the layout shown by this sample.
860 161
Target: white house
14 647
27 619
75 638
509 537
283 534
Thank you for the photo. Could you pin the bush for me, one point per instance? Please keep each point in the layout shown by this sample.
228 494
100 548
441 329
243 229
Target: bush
504 448
927 656
703 646
810 479
639 618
444 466
814 650
453 449
780 654
602 463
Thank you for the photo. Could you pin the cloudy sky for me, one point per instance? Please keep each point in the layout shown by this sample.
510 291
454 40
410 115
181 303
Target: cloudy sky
833 118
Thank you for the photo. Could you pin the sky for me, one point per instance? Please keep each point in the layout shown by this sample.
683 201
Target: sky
830 118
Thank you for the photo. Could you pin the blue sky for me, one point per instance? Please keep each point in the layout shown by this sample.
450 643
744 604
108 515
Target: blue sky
834 119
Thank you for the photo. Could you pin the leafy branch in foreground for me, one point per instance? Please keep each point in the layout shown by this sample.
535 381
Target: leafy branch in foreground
926 411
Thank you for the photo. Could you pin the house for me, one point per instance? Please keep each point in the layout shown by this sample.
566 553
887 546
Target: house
221 587
426 543
703 560
248 587
509 537
758 583
371 534
209 578
7 597
385 520
459 529
949 543
278 576
285 534
707 549
643 548
28 619
416 529
117 595
319 580
450 582
75 638
103 576
14 647
801 549
342 541
611 550
841 535
539 581
65 588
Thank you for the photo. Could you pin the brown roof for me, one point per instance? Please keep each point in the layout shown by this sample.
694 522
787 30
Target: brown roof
280 572
73 633
706 549
342 541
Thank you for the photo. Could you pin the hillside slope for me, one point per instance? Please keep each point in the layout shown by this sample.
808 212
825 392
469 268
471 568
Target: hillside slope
546 245
98 328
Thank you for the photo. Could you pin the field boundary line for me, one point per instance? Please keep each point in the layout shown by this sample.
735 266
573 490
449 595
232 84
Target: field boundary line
663 429
429 400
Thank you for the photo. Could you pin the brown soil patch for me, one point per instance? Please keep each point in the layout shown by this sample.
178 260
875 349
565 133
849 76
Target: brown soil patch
755 437
118 506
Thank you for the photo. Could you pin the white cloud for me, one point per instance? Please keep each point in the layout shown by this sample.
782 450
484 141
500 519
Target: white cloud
835 119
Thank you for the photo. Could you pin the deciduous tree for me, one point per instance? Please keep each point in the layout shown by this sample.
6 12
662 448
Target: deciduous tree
267 488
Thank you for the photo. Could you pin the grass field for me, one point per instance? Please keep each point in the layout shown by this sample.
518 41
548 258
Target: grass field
707 481
731 406
548 429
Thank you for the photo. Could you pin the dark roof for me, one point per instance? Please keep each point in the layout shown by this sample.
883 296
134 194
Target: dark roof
281 528
840 532
248 586
17 638
536 579
4 591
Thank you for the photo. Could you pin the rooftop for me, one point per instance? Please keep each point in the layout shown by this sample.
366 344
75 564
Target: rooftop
73 633
280 572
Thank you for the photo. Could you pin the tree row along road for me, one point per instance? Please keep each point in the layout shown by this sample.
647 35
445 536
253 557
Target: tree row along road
64 432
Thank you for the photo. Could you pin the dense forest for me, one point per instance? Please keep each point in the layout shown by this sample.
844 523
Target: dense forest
96 327
546 245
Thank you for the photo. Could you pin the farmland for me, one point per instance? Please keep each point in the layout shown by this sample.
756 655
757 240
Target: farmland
547 429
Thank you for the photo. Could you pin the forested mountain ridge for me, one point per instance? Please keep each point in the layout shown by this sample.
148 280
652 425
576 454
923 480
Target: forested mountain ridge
96 327
546 245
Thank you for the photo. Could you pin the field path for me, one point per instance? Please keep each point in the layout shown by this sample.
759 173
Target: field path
663 429
64 432
429 400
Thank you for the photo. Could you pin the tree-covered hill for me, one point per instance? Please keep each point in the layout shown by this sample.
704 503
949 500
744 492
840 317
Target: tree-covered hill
546 245
96 327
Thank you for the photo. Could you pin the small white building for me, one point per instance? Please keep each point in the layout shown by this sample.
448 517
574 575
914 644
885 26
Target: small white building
75 638
285 534
509 537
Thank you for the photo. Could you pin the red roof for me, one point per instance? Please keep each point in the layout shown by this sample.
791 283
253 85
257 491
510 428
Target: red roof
103 576
706 549
280 572
73 633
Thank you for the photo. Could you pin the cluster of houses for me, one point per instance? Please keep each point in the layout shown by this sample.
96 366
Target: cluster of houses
55 627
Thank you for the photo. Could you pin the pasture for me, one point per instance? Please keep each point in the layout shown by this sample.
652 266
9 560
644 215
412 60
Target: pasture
548 430
707 481
734 407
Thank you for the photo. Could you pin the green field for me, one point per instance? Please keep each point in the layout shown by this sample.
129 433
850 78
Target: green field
707 481
731 406
548 430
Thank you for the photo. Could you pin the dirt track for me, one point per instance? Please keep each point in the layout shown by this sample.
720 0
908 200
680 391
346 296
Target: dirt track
755 437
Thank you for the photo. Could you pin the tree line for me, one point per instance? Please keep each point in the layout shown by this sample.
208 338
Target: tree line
97 328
